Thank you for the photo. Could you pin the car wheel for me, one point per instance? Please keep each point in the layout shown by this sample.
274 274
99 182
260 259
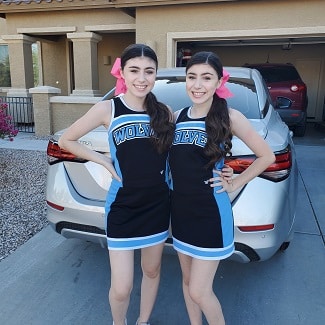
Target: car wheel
284 246
300 128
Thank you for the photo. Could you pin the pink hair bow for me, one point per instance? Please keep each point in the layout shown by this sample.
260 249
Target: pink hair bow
223 91
116 72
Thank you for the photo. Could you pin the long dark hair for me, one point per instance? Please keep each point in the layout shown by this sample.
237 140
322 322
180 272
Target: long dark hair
217 122
160 116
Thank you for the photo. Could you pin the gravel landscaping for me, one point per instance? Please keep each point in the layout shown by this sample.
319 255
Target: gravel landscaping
22 197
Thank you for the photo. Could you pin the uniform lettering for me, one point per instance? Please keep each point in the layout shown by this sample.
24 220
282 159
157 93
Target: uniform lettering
196 137
131 131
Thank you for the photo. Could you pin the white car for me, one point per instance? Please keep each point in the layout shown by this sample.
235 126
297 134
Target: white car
264 209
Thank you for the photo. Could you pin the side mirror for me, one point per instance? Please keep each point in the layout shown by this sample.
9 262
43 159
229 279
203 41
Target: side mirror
282 102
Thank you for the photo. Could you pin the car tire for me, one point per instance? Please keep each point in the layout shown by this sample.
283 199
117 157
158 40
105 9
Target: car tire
300 128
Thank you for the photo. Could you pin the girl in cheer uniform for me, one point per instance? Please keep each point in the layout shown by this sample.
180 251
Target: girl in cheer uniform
140 132
201 214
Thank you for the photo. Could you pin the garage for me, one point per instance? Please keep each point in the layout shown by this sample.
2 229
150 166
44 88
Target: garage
305 53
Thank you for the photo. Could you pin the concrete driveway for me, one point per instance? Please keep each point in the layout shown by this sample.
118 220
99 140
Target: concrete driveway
50 280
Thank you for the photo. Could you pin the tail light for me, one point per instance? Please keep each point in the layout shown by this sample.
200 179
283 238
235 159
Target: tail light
55 206
297 88
256 228
276 172
56 154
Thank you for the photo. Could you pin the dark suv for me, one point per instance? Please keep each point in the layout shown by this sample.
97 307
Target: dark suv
288 92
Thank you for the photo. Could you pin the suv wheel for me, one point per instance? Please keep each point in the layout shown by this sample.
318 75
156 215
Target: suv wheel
300 128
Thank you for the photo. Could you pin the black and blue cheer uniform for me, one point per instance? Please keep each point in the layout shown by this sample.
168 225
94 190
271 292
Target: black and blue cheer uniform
201 219
138 208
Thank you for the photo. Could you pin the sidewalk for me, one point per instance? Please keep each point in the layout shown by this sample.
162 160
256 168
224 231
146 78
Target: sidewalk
24 141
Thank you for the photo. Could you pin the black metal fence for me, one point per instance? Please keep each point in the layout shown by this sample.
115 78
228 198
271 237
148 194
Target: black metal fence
21 111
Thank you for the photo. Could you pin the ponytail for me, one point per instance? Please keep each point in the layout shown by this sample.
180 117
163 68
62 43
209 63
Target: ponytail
161 122
217 124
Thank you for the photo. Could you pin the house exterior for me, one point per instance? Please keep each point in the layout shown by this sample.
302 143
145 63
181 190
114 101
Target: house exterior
78 41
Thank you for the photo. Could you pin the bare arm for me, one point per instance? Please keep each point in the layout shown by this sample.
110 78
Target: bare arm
242 128
99 114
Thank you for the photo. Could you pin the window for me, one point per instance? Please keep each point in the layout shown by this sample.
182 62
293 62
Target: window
5 80
279 74
172 92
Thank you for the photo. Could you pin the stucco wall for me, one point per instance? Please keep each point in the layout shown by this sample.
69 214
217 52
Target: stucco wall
65 111
55 65
3 27
112 45
77 18
154 23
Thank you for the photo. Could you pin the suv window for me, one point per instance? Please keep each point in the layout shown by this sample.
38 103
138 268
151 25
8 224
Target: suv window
278 74
172 92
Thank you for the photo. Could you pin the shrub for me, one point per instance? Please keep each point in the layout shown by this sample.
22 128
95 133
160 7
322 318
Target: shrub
7 128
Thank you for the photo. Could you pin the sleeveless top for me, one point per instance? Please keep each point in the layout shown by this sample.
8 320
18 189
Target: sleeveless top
136 160
187 159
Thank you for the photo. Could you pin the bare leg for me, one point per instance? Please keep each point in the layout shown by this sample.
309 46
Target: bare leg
201 291
193 310
151 264
122 270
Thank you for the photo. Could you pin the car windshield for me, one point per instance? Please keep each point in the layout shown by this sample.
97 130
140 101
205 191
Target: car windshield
172 92
278 74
